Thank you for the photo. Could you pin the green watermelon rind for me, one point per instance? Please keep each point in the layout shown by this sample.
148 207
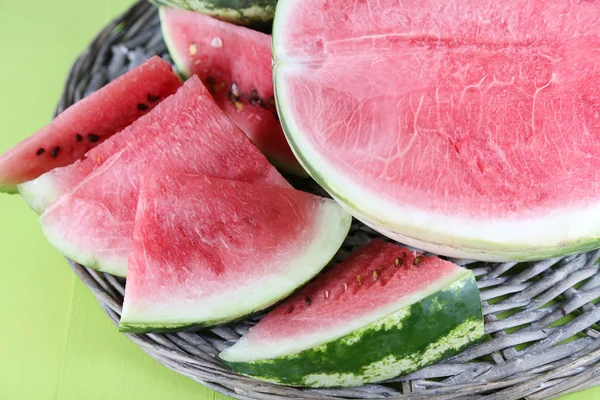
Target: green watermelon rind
333 227
420 236
433 328
256 13
8 189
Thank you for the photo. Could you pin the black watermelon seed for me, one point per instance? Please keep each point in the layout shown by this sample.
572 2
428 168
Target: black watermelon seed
93 138
55 152
40 151
142 107
152 99
78 137
210 80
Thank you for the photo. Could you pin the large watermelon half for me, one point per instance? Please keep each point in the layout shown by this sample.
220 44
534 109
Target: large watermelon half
93 224
235 65
255 13
233 248
88 123
467 128
385 311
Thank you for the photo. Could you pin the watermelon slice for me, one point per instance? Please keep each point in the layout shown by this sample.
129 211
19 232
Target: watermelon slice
235 65
255 13
233 248
384 312
93 224
88 123
469 128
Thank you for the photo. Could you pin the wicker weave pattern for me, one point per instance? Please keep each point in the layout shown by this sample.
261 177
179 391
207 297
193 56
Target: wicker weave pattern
524 356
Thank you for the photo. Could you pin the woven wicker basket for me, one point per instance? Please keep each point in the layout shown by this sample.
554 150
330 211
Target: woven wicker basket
530 351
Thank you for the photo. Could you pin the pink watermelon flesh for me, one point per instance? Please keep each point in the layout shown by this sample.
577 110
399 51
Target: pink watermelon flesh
93 225
88 123
483 109
209 250
378 275
234 63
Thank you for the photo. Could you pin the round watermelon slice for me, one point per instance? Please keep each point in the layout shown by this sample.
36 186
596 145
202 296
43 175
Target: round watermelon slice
234 63
93 224
207 251
255 13
383 312
469 128
88 123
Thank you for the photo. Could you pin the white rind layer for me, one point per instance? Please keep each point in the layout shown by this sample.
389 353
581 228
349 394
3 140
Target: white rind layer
331 230
247 351
39 193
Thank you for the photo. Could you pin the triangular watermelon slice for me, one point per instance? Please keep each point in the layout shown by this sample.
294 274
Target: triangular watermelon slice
234 63
207 251
383 312
93 225
88 123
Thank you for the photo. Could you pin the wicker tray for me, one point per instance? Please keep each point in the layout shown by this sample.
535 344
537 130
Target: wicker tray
530 351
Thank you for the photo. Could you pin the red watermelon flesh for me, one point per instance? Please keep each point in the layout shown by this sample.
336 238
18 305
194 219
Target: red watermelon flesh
88 123
234 63
467 127
93 225
208 250
377 277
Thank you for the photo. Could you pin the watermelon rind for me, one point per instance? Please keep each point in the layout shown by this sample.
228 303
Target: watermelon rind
8 189
558 232
39 193
333 227
256 13
422 329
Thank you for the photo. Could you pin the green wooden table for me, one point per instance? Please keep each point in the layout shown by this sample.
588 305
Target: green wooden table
55 341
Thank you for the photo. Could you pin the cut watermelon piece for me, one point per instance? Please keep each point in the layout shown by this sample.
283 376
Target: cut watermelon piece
255 13
235 65
88 123
468 128
233 248
385 311
93 225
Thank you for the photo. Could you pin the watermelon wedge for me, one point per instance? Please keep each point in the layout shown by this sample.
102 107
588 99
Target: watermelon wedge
385 311
93 224
255 13
88 123
468 129
233 248
235 65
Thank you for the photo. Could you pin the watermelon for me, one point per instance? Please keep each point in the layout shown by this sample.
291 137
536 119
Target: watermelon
468 129
383 312
255 13
233 248
88 123
93 224
235 65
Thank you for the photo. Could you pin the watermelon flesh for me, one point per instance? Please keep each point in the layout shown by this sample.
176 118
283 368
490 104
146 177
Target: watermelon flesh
93 224
226 239
469 129
88 123
235 65
385 311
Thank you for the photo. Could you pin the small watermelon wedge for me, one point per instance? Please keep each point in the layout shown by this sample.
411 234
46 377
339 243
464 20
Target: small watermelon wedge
385 311
234 63
93 224
255 13
88 123
234 248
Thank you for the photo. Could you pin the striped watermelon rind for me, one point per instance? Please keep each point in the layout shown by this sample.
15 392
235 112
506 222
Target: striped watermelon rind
439 325
256 13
